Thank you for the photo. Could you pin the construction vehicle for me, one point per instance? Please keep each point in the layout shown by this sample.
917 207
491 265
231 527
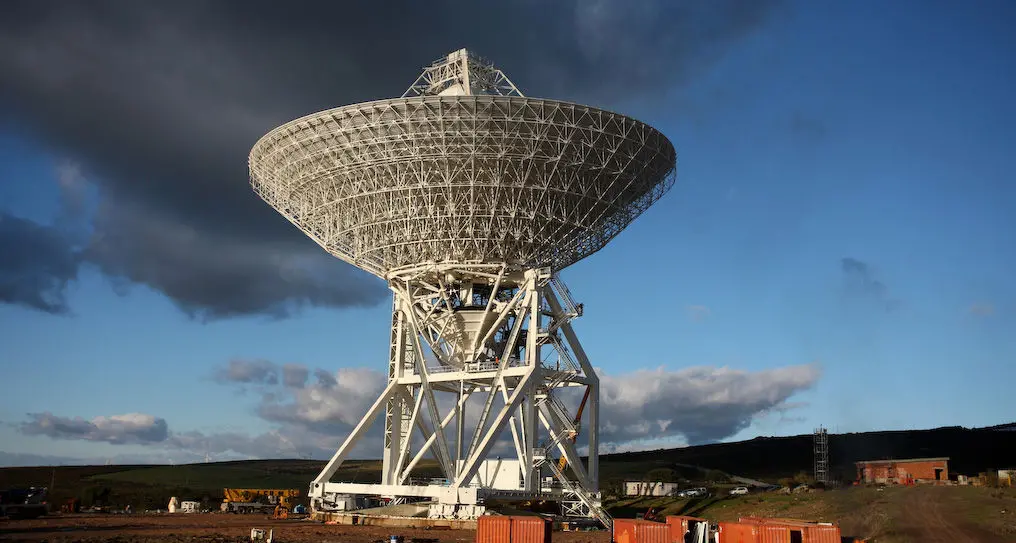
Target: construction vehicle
652 515
258 500
24 502
563 462
72 505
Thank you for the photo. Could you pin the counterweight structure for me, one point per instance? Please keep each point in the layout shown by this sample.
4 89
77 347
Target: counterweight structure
467 198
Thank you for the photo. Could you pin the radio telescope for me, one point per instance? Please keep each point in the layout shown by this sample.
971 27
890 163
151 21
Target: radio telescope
467 198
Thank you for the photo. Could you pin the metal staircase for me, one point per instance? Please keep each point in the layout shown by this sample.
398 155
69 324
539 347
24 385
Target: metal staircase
592 506
570 307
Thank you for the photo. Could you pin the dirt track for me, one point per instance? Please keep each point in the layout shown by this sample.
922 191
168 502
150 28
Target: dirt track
195 528
926 517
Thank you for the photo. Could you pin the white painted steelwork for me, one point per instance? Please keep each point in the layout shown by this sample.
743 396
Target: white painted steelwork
467 197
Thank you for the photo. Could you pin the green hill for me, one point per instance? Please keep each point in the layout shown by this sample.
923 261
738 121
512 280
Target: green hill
970 450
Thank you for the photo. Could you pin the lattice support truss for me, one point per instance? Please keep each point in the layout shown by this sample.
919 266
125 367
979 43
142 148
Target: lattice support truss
499 336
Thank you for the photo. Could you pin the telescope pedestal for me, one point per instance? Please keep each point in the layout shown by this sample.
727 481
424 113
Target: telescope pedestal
478 353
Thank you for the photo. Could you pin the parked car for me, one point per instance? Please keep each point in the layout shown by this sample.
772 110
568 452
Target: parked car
739 491
693 493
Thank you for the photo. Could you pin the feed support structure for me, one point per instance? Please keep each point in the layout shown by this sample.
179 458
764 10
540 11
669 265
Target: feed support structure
466 197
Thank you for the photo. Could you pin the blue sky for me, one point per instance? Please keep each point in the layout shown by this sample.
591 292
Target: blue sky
881 133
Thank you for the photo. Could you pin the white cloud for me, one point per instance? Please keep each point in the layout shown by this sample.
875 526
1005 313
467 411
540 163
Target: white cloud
249 371
332 404
698 404
649 408
132 428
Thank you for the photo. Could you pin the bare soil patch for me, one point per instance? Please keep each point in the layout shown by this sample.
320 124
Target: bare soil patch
221 528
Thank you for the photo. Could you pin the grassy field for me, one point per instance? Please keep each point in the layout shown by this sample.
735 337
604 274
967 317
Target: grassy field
150 487
293 474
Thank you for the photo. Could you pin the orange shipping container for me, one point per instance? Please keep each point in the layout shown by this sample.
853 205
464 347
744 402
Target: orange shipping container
779 533
680 526
530 530
493 529
733 532
640 531
780 530
823 533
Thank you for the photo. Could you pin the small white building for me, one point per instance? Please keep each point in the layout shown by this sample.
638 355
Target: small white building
649 488
190 507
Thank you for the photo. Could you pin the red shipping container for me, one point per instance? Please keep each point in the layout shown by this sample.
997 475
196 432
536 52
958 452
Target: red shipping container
681 526
733 532
640 531
493 529
530 530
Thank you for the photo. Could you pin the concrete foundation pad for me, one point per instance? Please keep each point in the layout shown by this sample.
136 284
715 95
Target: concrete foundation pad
354 519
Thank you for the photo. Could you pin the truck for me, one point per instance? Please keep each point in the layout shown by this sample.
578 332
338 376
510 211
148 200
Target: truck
28 502
258 500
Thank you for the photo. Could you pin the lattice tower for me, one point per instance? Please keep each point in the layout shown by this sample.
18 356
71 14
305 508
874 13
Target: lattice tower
821 447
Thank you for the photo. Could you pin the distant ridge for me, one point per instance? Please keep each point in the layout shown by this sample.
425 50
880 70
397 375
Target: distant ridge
1007 427
970 451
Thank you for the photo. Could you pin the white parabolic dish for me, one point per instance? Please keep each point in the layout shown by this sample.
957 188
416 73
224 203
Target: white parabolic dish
470 178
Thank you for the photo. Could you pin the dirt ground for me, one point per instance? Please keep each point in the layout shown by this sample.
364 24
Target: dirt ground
939 515
895 515
220 528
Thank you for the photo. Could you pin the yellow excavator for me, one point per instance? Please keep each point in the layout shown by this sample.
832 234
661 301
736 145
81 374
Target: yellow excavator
259 500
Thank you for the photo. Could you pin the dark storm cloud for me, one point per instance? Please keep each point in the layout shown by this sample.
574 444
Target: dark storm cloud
160 104
36 264
861 281
213 275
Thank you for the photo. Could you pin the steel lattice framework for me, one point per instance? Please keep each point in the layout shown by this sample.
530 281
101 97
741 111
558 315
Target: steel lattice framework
467 197
471 178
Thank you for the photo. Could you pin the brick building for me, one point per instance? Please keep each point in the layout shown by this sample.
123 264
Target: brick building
904 471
